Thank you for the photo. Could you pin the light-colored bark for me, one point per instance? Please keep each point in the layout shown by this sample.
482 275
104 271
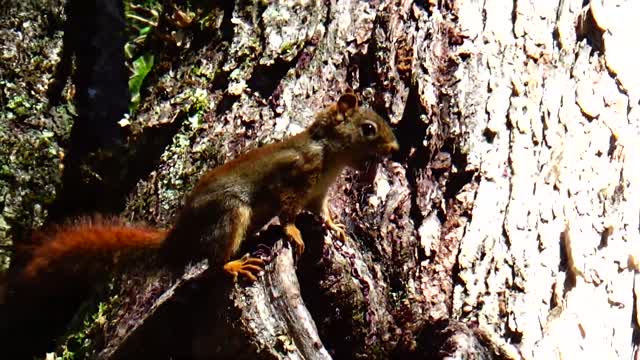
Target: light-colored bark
548 258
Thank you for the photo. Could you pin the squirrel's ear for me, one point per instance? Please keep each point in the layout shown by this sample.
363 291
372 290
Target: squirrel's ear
347 101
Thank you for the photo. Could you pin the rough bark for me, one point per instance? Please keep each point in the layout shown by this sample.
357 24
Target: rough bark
507 227
546 262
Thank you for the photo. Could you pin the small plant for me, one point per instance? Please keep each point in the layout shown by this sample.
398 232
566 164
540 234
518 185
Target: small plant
141 68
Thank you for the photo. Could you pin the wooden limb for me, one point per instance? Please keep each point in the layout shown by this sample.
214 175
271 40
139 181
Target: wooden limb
268 317
204 315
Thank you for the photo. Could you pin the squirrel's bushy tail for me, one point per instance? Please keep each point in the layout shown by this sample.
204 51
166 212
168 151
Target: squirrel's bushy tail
54 272
86 246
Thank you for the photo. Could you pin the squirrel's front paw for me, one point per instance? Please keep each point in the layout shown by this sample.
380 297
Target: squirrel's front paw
247 266
294 235
339 229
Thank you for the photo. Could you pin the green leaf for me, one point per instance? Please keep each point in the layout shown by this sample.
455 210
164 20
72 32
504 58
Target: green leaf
145 30
141 68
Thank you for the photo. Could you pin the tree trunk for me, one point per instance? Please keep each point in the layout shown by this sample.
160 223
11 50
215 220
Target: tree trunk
504 228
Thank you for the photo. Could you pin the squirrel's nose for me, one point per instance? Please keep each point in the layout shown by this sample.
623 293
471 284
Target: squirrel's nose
392 147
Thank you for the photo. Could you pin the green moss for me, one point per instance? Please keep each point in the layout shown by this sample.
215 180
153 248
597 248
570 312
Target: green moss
200 102
19 105
206 73
30 130
30 175
80 343
358 315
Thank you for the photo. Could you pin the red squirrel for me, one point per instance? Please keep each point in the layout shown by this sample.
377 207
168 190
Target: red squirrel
236 199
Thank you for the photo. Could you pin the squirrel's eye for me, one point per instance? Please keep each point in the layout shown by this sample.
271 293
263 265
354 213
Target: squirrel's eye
368 129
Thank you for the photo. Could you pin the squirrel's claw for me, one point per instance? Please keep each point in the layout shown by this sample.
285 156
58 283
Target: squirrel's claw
248 267
339 229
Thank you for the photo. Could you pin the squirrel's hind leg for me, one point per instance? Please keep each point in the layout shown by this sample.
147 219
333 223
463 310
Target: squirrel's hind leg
248 267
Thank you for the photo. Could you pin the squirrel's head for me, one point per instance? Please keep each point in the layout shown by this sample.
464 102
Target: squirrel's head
358 132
